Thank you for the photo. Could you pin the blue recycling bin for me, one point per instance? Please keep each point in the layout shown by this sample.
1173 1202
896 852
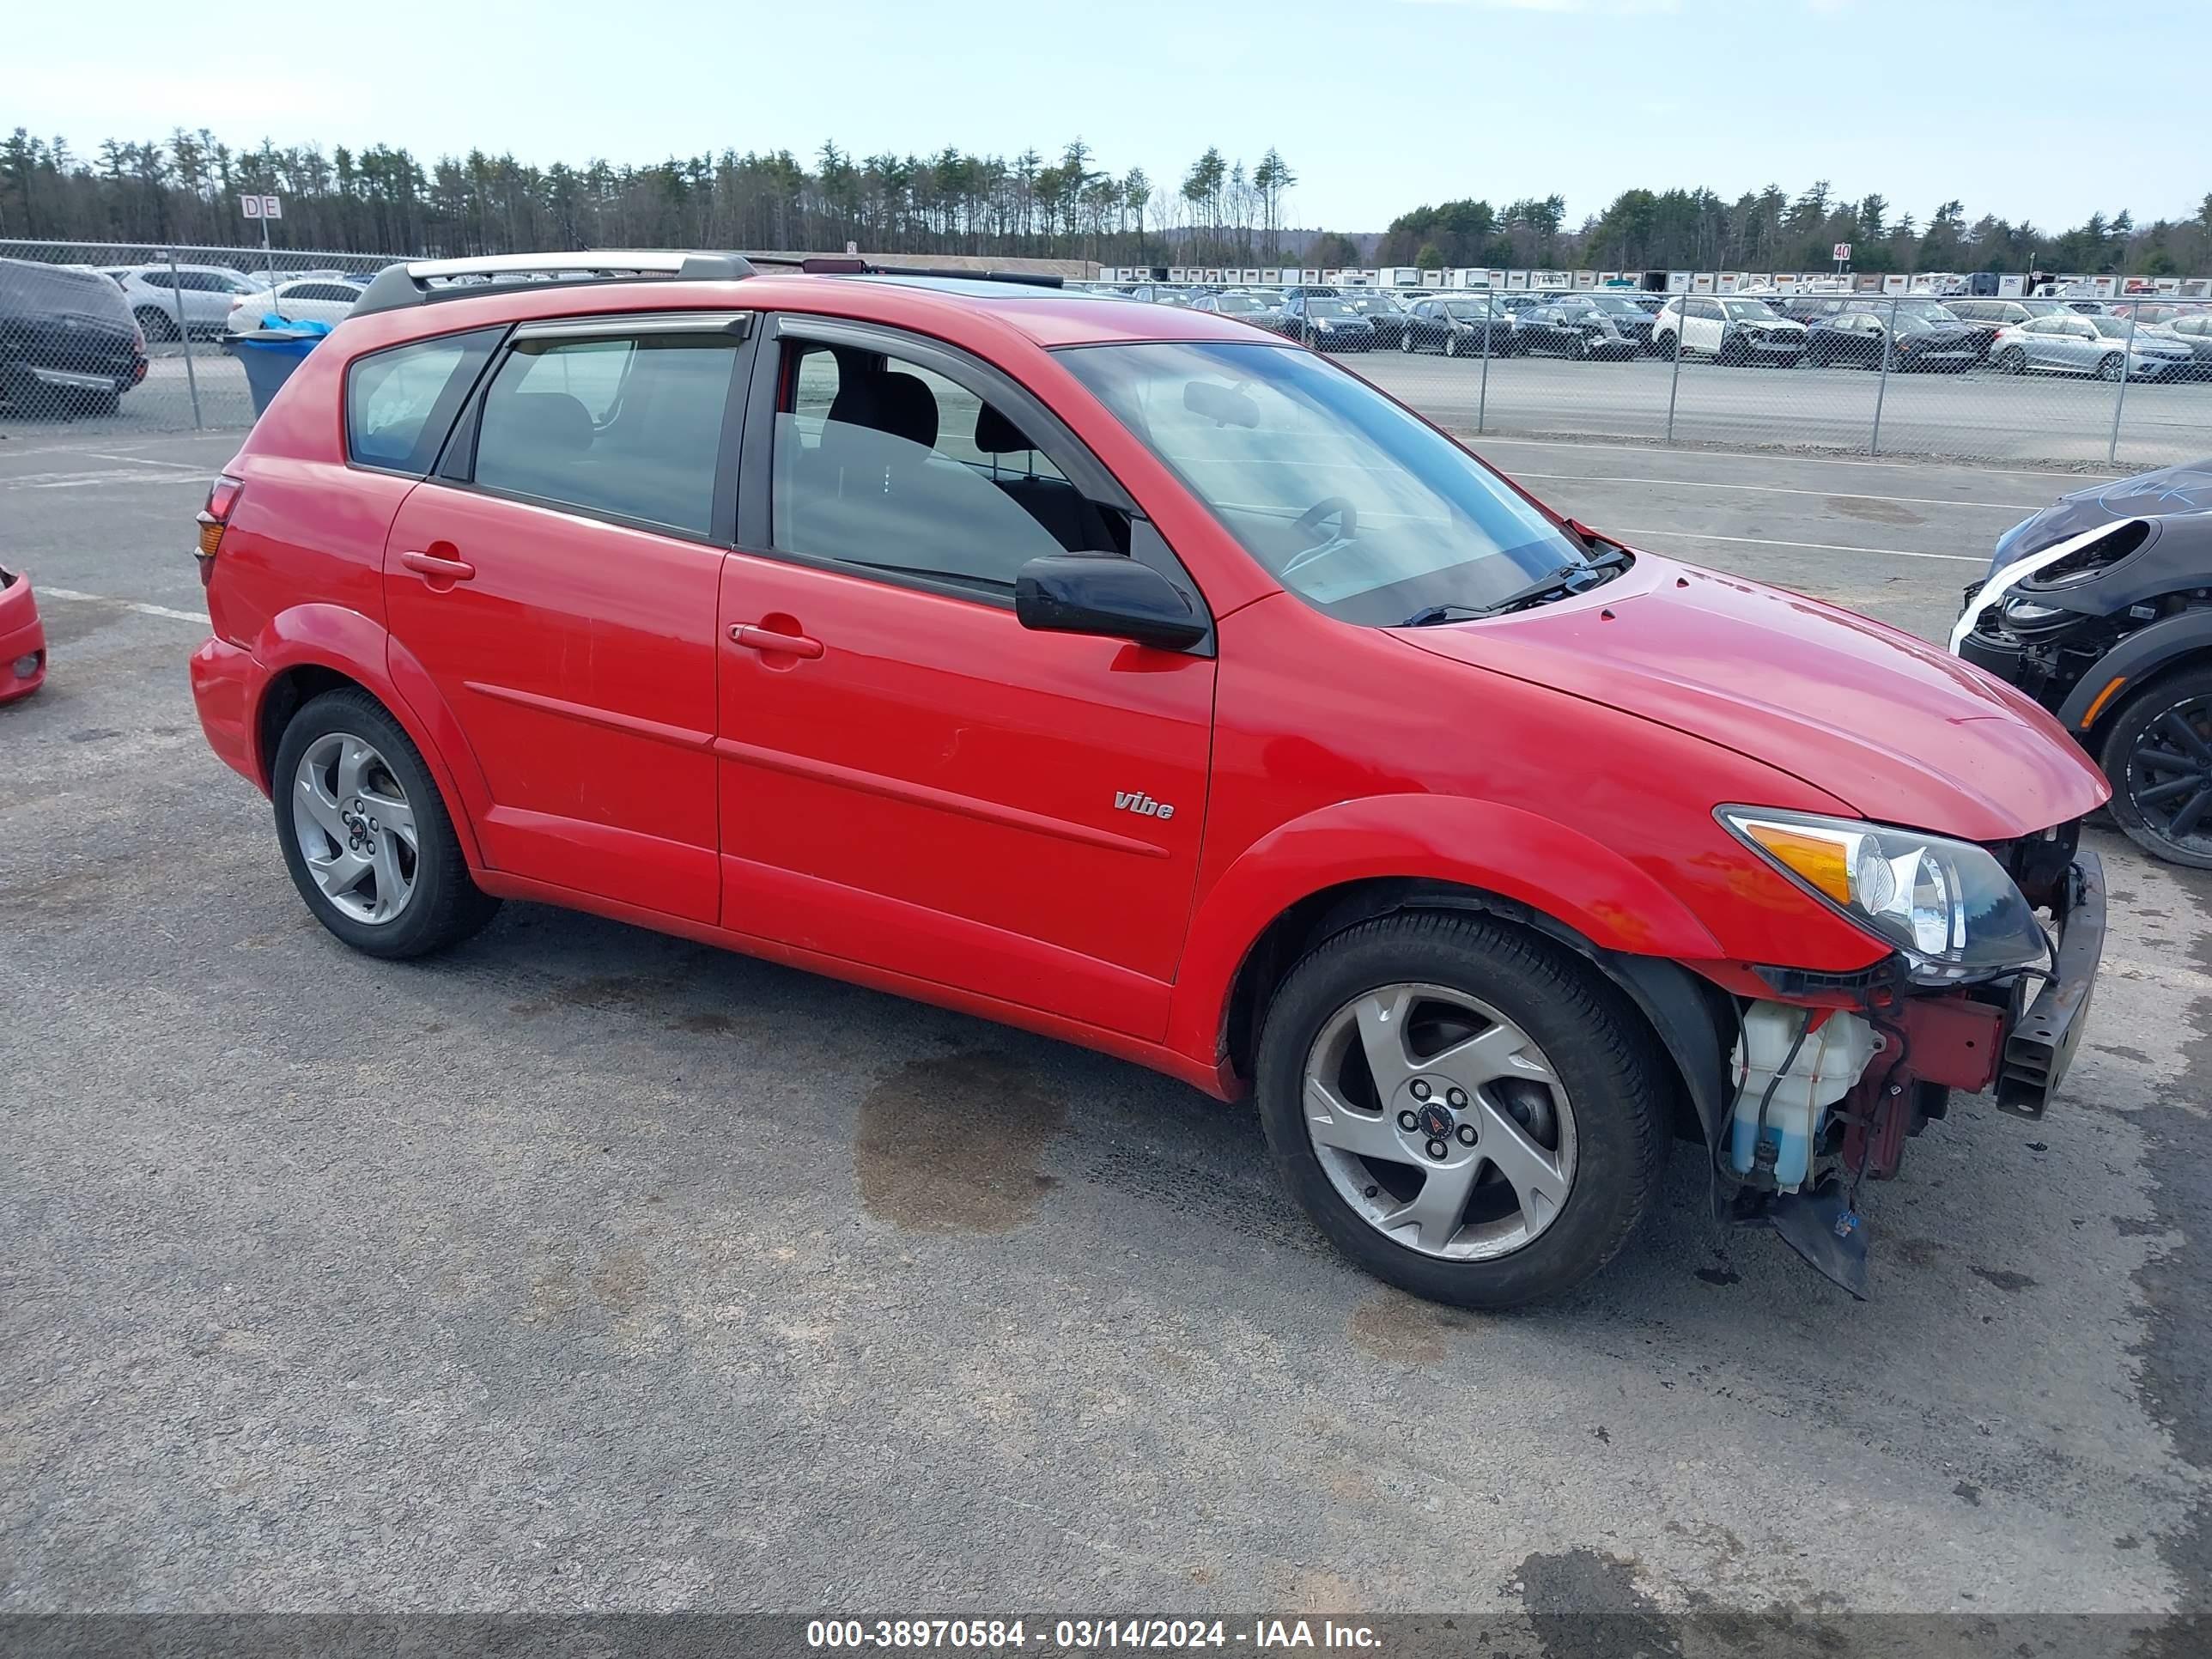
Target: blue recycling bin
272 352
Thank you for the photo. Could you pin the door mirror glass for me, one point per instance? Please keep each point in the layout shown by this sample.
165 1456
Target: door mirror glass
1107 594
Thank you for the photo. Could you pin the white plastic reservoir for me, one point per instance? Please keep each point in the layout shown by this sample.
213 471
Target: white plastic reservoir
1827 1063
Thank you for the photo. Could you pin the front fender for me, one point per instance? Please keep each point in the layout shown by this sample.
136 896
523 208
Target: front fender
1557 872
334 637
2136 658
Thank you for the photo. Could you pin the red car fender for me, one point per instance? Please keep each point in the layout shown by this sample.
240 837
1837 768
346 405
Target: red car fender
332 636
1515 855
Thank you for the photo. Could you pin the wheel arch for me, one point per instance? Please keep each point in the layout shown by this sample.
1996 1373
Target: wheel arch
311 650
2171 646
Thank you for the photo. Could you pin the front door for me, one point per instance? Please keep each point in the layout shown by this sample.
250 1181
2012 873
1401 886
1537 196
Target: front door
559 586
911 780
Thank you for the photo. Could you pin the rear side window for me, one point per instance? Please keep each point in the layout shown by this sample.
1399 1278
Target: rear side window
401 403
629 426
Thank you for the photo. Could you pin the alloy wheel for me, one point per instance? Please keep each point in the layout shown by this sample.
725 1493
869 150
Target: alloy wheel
2170 776
1439 1122
356 826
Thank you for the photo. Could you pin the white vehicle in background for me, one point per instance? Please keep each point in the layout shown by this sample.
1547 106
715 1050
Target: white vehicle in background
1727 329
303 300
167 301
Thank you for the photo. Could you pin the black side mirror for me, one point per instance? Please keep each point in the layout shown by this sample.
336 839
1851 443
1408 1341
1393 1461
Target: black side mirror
1107 594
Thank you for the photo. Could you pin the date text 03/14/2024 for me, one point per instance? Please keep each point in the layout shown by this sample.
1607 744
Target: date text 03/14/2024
1085 1635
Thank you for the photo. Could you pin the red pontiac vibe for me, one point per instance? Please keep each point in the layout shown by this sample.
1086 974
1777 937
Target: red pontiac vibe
1109 670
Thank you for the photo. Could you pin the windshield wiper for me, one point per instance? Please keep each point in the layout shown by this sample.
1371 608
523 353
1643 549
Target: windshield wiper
1559 581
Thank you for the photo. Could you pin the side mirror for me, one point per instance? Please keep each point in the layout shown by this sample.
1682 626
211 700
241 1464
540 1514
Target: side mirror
1107 594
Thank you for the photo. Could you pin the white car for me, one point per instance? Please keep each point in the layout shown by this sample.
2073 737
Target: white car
304 300
168 302
1727 329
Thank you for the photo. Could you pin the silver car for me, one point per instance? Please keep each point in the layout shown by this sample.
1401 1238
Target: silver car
2071 343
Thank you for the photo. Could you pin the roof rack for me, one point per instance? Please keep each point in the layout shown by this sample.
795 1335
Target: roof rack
420 281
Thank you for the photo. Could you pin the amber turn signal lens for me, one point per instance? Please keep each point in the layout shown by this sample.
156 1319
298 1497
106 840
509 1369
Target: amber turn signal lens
1818 858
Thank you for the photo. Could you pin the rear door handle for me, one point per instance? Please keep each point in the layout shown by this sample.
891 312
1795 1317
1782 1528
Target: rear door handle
438 569
769 642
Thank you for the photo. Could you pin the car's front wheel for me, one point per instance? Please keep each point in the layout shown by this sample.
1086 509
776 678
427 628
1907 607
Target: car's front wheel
1466 1110
366 834
2158 756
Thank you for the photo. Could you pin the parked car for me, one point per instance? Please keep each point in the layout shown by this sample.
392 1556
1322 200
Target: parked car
2196 333
68 343
23 639
192 297
1385 314
1247 734
2108 627
1864 337
1245 308
307 299
1459 325
1325 323
1571 328
1729 330
2077 344
1629 317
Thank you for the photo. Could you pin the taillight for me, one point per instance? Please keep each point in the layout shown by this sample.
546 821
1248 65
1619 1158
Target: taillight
221 499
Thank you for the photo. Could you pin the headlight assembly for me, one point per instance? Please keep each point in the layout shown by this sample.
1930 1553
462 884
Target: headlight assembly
1947 906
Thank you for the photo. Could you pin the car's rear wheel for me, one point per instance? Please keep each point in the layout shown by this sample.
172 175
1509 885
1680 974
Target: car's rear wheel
2158 756
2012 361
365 834
1467 1111
2108 366
1406 342
155 322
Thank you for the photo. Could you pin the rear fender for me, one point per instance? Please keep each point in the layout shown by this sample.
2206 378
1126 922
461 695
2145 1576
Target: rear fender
1557 873
332 636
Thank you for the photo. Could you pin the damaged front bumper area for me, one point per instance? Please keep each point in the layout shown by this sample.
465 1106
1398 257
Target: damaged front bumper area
2015 1035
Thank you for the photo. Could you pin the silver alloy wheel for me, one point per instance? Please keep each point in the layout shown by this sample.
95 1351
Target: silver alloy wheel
355 828
1439 1122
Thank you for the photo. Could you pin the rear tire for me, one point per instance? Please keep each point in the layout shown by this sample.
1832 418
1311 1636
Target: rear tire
1586 1084
155 322
2108 366
442 905
2012 361
2147 756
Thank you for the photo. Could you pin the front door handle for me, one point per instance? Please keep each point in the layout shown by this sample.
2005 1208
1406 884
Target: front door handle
769 642
444 571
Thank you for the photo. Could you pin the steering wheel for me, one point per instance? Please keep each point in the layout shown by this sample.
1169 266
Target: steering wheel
1310 521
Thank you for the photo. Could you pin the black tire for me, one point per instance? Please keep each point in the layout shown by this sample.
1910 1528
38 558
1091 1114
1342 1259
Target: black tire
1671 346
2012 361
1406 342
2191 691
1582 349
2108 366
1606 1057
447 905
155 322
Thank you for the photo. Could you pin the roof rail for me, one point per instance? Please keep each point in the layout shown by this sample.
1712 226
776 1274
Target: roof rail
420 281
850 264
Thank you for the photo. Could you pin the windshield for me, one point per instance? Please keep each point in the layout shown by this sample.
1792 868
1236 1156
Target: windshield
1374 305
1347 500
1927 310
1469 310
1239 302
1746 309
1329 309
1614 304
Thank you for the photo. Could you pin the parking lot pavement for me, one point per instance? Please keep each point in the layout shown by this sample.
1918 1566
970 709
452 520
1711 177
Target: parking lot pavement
587 1268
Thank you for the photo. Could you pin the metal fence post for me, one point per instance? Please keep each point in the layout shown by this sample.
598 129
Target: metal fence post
2120 401
185 334
1881 386
1674 387
1482 397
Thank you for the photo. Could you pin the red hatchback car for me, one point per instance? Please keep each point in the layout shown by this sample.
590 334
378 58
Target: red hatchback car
1109 670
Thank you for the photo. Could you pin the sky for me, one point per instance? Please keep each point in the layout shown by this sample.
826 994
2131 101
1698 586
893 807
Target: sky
1378 105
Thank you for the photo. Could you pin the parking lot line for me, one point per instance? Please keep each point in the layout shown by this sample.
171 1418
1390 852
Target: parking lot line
70 596
1777 490
1816 547
1491 440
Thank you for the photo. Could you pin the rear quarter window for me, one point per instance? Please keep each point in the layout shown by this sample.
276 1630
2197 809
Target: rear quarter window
401 401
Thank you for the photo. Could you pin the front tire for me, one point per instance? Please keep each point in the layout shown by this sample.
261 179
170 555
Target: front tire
2158 756
2108 366
2012 361
366 834
1537 1097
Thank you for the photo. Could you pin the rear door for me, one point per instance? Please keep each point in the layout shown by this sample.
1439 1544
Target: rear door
557 578
917 782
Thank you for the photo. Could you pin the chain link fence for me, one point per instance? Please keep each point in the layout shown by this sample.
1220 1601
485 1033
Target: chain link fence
2077 382
134 339
118 336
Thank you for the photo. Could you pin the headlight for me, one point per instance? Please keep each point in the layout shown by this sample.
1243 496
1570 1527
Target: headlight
1946 905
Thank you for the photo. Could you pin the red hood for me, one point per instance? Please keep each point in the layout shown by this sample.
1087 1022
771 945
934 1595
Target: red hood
1904 733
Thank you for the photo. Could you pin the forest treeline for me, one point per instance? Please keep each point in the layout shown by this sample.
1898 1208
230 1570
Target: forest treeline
381 198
